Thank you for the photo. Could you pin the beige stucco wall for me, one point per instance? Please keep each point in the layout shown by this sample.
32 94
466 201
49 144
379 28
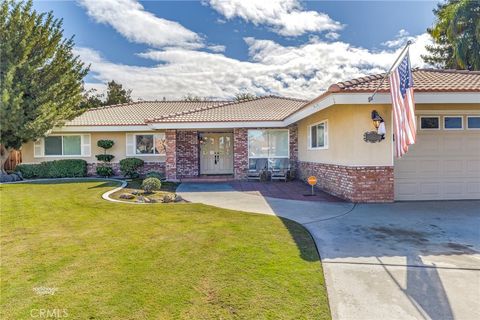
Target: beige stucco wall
347 124
118 149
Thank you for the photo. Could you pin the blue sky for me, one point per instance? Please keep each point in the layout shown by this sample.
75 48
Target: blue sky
218 48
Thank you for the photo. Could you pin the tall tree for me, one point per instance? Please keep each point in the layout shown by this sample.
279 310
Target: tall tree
41 80
456 34
116 94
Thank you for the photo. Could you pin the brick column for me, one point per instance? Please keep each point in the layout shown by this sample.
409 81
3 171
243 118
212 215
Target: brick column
171 155
293 140
240 153
187 154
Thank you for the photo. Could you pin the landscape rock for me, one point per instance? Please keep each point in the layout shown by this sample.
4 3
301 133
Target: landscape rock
128 196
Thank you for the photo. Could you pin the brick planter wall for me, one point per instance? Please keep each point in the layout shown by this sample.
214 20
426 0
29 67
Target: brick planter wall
148 166
356 184
187 154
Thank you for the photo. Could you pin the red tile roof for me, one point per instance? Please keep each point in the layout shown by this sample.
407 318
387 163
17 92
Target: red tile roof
424 80
267 108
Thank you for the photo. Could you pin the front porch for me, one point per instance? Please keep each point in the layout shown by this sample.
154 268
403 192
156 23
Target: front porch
223 155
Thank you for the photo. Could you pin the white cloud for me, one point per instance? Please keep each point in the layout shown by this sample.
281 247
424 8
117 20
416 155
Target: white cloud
216 48
286 17
303 71
332 35
129 18
400 39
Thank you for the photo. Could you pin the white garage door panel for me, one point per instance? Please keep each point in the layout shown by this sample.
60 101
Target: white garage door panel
442 165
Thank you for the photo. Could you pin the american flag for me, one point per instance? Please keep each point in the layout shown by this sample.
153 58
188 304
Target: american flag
401 89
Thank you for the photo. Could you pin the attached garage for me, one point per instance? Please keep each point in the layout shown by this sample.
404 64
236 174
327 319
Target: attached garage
444 163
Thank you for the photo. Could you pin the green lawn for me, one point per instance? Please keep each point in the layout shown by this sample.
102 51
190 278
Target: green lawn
160 261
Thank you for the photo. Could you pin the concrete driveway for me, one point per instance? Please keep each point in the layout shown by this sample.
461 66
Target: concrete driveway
408 260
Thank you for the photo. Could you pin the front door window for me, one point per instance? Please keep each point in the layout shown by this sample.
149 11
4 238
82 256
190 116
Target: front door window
216 153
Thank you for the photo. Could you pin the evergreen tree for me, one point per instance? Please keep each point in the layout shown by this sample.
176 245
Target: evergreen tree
457 36
41 80
116 94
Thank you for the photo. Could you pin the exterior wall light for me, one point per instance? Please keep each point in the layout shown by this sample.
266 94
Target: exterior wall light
379 124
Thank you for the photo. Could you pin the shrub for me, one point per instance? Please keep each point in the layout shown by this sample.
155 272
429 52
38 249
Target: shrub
105 157
105 171
67 168
151 184
129 167
105 144
155 174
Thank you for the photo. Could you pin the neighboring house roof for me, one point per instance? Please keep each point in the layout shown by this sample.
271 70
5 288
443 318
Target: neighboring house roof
268 108
424 80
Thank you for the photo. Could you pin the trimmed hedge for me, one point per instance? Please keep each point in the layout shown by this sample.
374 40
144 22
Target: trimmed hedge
67 168
129 167
104 171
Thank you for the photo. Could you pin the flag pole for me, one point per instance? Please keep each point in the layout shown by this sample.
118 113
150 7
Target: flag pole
409 42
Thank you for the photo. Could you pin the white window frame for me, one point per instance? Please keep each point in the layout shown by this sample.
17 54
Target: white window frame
288 144
82 145
452 129
430 129
325 134
154 154
467 127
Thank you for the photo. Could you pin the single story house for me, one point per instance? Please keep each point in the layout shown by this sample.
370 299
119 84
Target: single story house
324 137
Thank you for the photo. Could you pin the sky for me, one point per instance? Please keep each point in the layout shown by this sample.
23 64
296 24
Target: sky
217 49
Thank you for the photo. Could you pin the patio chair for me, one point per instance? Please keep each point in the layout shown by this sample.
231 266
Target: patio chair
256 168
279 169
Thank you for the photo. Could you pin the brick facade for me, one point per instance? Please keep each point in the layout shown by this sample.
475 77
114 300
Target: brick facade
240 153
187 154
148 166
356 184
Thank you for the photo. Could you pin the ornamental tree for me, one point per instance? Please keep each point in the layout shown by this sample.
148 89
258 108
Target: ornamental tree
41 80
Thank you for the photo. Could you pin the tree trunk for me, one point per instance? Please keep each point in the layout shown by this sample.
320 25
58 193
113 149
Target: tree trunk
4 154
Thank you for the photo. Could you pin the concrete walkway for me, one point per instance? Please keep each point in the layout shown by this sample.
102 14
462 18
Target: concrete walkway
417 260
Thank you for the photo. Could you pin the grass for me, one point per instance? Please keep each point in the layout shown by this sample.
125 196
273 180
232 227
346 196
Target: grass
134 187
162 261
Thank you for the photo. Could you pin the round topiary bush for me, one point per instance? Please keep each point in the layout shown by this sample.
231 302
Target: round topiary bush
105 157
104 171
105 144
151 184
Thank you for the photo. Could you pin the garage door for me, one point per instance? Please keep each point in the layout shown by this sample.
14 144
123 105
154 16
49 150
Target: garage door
444 164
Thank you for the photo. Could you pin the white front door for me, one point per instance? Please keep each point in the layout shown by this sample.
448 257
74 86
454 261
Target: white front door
216 153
